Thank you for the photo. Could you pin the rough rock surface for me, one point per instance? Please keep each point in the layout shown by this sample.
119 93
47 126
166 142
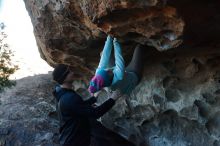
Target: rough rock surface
73 32
27 113
177 102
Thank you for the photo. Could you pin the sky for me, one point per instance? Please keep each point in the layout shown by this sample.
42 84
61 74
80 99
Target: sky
21 39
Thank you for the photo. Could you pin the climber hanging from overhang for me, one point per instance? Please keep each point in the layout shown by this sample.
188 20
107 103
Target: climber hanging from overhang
117 77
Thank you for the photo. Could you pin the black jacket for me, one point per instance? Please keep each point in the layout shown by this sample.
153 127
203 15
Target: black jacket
74 115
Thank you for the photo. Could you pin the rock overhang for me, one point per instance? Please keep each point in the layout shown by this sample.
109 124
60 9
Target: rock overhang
73 32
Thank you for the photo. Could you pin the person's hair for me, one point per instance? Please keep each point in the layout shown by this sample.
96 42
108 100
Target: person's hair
60 73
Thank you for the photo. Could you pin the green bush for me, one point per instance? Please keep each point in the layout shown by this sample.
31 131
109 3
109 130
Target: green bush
6 66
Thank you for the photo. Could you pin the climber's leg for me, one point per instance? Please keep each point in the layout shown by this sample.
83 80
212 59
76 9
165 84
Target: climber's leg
101 136
137 63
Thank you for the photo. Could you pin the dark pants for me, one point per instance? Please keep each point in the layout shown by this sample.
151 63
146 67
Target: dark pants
101 136
137 62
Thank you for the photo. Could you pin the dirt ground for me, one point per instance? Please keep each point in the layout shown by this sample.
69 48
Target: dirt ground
27 113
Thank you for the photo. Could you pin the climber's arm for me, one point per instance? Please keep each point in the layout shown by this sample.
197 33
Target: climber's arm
119 63
105 57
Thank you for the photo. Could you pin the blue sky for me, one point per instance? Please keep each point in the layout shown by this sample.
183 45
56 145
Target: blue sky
21 38
18 25
0 5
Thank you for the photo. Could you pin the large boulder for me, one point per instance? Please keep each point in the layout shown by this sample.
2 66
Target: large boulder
177 101
73 32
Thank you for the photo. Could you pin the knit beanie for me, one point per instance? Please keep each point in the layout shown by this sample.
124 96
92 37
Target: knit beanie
60 73
99 81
